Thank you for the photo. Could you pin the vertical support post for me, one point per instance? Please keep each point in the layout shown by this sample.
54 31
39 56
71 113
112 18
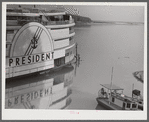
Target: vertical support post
111 78
76 50
111 84
132 89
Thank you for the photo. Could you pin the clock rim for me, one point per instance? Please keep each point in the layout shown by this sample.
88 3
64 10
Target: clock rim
14 41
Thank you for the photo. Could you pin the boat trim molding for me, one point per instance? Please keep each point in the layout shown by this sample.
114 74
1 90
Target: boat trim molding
47 26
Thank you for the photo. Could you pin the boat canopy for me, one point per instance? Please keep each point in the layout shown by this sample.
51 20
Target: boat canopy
111 87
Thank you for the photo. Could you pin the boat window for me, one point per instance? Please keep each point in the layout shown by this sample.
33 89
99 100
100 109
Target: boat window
123 105
10 31
67 54
59 61
134 105
51 18
24 18
9 10
19 17
7 46
70 28
140 107
66 17
34 10
128 105
71 38
8 49
35 18
12 18
56 18
113 99
30 18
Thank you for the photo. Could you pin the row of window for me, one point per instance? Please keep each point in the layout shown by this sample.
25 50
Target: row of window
30 10
126 105
71 30
31 18
61 61
58 62
69 53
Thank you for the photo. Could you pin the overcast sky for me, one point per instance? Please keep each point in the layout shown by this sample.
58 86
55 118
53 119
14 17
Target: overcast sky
113 13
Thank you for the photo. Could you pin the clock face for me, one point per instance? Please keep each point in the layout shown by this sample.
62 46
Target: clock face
32 38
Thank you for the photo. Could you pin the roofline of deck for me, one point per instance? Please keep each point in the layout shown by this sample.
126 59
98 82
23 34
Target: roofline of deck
34 14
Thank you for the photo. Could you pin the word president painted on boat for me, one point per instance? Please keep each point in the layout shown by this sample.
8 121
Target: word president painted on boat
30 59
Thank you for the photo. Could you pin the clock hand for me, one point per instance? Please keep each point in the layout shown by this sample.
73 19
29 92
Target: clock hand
34 41
29 47
38 33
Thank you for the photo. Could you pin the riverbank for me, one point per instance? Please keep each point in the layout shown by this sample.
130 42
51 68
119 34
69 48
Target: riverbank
86 21
116 22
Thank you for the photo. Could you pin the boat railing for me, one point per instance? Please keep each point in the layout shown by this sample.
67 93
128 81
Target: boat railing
61 22
121 96
22 22
128 99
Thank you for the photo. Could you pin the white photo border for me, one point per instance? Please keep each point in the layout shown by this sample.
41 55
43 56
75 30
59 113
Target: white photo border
20 114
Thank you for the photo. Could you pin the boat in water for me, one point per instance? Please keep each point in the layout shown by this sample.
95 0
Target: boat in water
112 98
139 76
37 40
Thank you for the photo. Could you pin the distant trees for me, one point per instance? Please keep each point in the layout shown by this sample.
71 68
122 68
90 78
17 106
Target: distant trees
78 18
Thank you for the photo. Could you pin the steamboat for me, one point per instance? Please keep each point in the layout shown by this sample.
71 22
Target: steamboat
37 40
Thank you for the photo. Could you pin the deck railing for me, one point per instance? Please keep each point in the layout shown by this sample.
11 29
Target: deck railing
22 22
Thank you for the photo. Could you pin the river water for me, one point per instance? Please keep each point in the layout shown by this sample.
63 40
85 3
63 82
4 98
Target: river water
101 47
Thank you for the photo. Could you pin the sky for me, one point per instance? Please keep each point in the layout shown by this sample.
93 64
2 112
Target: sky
113 13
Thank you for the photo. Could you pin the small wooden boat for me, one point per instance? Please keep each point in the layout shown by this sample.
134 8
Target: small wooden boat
111 97
139 76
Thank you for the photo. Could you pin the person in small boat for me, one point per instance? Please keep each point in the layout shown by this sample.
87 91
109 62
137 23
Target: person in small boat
103 92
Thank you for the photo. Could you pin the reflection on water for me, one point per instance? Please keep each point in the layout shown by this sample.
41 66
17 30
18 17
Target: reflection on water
50 90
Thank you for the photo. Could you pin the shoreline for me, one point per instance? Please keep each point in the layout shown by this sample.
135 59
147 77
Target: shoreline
84 24
105 23
117 22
